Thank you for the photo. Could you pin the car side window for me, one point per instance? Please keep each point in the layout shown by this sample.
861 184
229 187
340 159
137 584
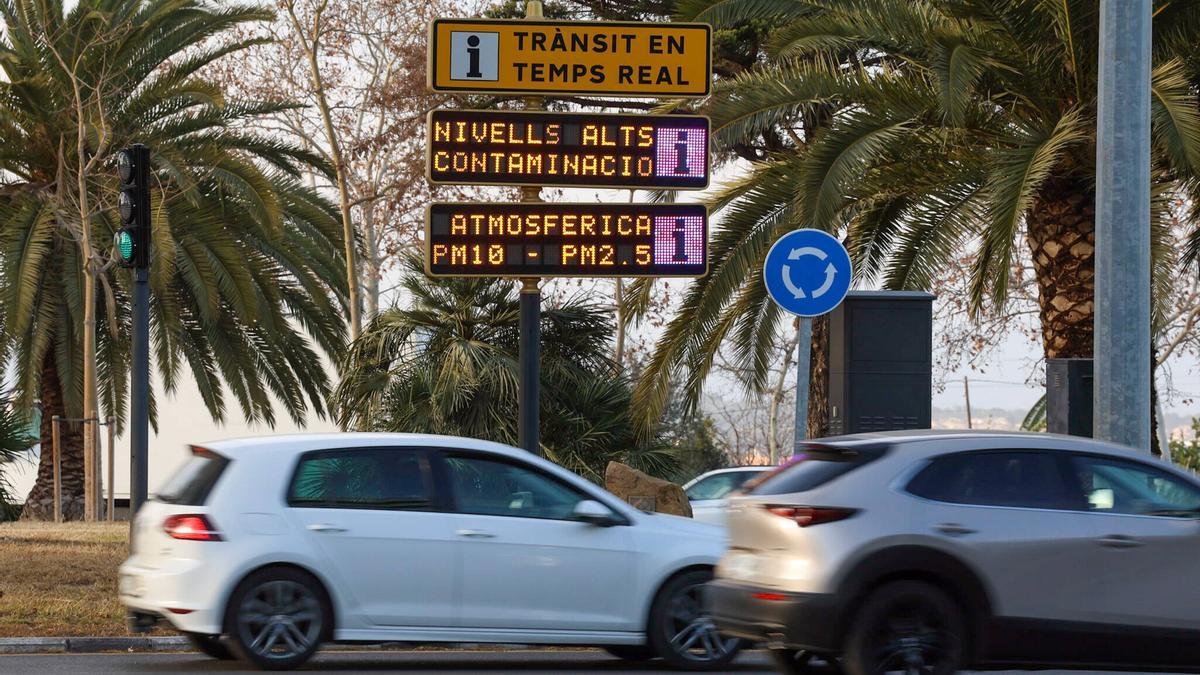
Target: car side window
1133 488
493 488
368 478
716 487
1012 479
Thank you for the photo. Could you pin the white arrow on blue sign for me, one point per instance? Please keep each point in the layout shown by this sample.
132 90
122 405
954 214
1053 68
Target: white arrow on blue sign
807 272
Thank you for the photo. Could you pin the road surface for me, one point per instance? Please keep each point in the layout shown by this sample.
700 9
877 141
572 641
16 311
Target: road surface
532 662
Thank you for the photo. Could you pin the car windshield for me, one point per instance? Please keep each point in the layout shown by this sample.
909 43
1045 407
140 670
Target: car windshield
718 486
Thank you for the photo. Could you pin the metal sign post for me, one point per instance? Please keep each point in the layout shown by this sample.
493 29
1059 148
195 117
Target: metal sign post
807 273
1122 320
529 325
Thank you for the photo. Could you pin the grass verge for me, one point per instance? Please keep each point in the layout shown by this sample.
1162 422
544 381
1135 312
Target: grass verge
60 580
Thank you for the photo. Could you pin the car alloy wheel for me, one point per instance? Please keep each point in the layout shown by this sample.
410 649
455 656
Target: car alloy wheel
277 618
683 632
910 628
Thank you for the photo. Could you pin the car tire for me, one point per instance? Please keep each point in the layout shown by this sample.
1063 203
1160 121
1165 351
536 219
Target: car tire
680 629
906 626
631 652
211 645
277 618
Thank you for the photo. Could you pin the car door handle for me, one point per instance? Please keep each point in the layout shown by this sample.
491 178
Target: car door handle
954 529
326 527
475 534
1118 541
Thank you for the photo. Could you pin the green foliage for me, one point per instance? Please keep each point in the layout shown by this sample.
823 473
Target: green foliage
695 440
14 441
1035 419
447 364
916 130
515 9
247 279
1186 452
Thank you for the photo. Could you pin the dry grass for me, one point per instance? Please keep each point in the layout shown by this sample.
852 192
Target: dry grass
61 580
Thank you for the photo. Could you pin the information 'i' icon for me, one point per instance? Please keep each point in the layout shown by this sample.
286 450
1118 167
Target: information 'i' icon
473 57
680 235
681 153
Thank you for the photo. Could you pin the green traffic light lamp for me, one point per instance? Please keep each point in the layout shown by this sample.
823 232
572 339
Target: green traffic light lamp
123 241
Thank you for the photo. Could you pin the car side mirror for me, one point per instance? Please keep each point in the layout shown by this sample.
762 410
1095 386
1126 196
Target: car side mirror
594 513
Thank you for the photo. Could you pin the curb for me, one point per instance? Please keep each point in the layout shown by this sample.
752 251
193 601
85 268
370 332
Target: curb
84 645
56 645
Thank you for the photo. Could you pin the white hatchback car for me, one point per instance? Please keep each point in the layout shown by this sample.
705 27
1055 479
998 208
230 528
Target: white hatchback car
709 492
274 545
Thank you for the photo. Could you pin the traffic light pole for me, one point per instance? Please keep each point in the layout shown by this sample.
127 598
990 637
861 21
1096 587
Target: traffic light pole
139 399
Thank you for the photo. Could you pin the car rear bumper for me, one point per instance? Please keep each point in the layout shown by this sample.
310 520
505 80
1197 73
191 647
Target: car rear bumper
183 595
783 620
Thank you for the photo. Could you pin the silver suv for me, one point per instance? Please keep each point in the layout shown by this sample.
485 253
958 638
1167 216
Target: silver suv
927 552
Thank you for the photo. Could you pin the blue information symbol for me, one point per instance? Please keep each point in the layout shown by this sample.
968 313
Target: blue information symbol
807 272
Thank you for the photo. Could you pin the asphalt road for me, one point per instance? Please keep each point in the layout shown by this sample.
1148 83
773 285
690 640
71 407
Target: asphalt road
517 661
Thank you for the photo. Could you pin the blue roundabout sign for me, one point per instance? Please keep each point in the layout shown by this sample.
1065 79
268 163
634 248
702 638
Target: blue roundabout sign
807 272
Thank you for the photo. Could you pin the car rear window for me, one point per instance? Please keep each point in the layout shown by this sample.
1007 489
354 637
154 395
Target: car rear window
192 483
815 467
362 478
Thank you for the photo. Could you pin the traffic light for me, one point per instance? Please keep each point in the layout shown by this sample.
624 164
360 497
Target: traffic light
132 241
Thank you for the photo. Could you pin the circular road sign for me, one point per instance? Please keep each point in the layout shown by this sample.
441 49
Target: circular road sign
807 272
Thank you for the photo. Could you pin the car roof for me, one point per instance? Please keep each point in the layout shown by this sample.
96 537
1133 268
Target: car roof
1022 439
731 469
295 443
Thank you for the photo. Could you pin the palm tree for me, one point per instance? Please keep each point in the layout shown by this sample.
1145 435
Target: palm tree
919 129
14 441
247 281
447 364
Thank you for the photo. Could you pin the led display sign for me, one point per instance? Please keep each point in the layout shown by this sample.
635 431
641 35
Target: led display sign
534 239
570 57
483 147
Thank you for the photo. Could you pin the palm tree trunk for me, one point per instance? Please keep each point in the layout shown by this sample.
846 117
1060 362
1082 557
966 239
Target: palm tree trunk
40 504
1061 234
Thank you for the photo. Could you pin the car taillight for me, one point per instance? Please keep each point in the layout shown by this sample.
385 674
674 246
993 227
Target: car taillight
191 528
806 516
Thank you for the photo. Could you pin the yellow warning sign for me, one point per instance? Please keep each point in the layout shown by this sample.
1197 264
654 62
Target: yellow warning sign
570 57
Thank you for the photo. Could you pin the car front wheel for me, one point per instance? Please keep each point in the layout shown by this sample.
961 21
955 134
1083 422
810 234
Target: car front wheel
682 632
277 618
906 627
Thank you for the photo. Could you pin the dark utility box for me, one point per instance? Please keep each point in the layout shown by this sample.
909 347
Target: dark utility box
1069 396
881 362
